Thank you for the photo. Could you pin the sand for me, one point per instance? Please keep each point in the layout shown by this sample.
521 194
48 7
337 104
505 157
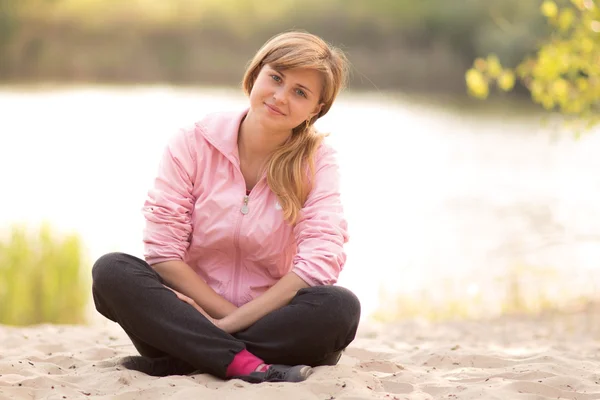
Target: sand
550 357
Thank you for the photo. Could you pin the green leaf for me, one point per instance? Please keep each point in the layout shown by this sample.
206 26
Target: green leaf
494 69
506 81
549 9
477 84
566 19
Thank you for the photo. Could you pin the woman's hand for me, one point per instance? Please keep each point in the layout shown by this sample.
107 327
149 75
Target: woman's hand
192 303
177 274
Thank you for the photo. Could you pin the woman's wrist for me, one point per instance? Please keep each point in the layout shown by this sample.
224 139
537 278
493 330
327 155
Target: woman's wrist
226 324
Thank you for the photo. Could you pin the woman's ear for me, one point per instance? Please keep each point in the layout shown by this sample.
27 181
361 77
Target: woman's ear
317 110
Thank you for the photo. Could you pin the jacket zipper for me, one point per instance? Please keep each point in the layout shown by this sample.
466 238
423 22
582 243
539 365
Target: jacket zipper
244 210
236 242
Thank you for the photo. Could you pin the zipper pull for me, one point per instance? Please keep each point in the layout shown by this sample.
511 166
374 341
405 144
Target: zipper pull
245 208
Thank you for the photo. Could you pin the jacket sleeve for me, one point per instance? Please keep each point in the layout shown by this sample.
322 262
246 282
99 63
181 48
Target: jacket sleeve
321 230
168 207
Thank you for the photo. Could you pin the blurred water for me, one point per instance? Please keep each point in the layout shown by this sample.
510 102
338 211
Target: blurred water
440 203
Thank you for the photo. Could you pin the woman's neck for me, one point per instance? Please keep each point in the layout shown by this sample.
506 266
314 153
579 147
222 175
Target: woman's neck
255 143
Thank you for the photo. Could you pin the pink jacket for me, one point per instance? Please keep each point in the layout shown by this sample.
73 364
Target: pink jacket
194 213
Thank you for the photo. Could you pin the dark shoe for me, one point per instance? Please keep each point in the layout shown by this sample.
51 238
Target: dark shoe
279 373
162 366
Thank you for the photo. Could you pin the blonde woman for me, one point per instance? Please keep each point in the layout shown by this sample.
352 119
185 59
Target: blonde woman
244 235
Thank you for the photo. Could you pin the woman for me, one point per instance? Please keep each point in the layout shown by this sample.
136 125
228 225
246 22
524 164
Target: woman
244 235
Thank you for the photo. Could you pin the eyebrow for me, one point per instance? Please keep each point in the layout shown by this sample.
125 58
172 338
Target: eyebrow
282 74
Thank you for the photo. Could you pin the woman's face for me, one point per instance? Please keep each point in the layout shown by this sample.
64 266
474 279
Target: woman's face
283 100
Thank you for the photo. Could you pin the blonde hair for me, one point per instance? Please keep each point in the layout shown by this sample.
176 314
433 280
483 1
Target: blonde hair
287 167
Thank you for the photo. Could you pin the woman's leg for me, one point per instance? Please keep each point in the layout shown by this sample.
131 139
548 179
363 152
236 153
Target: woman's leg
312 330
128 291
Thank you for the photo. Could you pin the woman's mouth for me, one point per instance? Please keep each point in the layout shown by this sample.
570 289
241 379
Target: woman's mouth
274 110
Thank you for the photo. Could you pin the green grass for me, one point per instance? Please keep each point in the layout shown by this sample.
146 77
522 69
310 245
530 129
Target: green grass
42 278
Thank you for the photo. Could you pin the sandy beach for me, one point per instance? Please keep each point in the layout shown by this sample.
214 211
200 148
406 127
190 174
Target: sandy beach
548 357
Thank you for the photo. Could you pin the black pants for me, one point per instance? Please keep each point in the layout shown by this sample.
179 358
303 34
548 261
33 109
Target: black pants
318 323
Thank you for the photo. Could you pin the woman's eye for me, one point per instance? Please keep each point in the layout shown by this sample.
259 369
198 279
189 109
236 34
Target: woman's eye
300 92
276 78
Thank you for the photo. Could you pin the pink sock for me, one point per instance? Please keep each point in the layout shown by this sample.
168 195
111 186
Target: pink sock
243 363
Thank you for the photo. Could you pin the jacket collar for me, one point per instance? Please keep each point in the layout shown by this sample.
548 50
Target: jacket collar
222 129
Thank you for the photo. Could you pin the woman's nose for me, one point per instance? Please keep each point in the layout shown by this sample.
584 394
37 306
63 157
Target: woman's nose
280 95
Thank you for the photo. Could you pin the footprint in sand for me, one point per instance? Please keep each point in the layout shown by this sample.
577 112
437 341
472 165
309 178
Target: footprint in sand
517 376
380 366
397 387
473 361
549 391
363 354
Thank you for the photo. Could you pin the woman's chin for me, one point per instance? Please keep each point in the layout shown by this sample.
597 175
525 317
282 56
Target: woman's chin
273 122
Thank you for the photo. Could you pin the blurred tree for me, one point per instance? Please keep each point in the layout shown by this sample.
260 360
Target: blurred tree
11 21
393 44
564 73
8 23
